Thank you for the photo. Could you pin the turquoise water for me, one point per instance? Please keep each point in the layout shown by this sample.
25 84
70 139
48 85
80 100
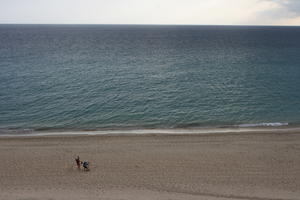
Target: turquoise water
121 76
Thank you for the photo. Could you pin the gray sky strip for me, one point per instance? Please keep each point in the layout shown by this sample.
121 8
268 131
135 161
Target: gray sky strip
226 12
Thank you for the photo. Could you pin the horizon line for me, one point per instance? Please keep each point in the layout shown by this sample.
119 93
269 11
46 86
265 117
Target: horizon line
125 24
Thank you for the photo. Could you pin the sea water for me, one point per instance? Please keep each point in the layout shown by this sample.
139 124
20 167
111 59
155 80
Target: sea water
94 77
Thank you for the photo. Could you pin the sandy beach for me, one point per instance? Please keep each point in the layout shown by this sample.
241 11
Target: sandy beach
254 166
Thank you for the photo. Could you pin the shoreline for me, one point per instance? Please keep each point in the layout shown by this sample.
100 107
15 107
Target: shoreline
149 131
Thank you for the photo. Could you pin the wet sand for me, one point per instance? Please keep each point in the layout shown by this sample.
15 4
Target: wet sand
254 166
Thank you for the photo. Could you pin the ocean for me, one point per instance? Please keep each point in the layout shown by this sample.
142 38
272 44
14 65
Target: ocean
148 77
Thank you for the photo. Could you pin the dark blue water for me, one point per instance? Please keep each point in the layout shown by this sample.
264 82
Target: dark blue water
112 76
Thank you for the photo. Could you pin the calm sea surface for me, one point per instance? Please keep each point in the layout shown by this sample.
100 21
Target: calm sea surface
121 76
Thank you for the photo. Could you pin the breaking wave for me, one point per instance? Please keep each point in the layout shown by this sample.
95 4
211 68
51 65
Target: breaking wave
272 124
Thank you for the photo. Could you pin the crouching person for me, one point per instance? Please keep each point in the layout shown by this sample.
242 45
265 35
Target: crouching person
85 166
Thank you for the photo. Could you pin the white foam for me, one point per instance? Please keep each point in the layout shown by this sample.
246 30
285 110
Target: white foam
274 124
245 129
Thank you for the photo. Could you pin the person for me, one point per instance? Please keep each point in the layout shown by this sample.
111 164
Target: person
85 165
78 162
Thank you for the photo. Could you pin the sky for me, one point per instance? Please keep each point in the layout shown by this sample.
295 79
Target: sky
197 12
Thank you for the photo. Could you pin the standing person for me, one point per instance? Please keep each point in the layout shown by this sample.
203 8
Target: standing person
78 162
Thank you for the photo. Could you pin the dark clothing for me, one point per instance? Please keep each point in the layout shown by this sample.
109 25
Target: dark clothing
85 165
78 162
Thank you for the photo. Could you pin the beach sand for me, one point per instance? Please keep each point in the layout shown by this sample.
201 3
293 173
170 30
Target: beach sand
254 166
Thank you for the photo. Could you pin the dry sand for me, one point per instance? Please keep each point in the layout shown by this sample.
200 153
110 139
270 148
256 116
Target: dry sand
214 167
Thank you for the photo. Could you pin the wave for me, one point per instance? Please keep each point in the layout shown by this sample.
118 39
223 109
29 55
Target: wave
272 124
